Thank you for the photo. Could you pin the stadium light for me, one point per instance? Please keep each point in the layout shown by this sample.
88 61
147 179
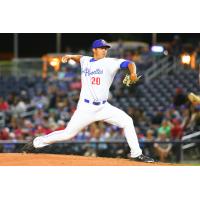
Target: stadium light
54 62
49 60
157 49
185 59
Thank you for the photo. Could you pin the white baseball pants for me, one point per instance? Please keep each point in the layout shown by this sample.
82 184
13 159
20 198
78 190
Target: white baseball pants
88 113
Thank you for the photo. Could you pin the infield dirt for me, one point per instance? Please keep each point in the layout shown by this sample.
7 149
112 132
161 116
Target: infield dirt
20 159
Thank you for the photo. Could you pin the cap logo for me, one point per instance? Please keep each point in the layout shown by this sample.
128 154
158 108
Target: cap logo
103 41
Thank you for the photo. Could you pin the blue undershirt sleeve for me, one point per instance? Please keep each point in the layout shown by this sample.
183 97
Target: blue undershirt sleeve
124 65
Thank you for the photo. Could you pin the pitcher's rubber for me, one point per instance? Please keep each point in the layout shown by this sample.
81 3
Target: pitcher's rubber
21 159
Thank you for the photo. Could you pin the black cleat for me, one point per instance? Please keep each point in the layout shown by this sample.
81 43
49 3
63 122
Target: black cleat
143 158
28 147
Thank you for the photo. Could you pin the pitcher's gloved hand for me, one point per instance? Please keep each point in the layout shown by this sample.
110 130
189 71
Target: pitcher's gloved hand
130 79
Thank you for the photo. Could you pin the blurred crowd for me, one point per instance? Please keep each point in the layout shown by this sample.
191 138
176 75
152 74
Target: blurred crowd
51 109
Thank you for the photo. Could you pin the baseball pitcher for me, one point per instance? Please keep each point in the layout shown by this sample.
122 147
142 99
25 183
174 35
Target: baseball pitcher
97 74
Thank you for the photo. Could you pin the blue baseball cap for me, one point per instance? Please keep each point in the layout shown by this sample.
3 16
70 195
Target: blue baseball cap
100 43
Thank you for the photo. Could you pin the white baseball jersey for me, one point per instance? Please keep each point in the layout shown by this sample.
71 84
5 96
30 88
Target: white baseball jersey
97 77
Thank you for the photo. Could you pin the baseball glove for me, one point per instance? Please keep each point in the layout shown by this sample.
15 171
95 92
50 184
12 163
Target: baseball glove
127 80
195 99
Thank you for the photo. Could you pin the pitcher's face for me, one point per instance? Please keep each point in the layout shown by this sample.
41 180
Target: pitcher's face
100 53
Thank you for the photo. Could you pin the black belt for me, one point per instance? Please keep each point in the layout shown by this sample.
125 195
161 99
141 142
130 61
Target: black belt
95 102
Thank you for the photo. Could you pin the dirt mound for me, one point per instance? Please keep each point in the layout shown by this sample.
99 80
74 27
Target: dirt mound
20 159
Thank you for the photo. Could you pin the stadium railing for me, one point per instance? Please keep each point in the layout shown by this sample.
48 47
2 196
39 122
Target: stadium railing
111 148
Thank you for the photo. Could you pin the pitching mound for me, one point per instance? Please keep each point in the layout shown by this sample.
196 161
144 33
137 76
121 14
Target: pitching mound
19 159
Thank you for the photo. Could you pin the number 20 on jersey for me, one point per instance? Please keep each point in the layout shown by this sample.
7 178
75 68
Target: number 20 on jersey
95 80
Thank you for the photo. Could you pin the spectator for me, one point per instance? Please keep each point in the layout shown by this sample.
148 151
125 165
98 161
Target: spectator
176 130
165 128
180 98
61 125
39 116
28 129
76 84
18 133
157 118
4 106
102 147
83 135
4 134
15 126
41 130
94 132
13 138
11 97
18 106
172 113
52 94
163 150
176 134
137 115
149 149
67 75
40 100
52 118
63 110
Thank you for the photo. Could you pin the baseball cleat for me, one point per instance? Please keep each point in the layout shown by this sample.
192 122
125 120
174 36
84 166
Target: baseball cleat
28 147
143 158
